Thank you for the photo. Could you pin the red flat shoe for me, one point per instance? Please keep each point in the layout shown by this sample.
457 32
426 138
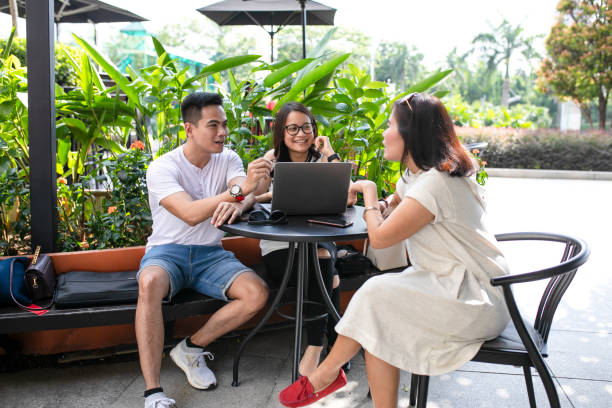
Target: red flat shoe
301 392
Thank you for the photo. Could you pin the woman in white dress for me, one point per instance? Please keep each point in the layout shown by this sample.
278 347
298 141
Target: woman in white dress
433 317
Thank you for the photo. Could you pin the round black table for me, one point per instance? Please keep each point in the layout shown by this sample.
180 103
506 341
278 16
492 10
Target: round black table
306 235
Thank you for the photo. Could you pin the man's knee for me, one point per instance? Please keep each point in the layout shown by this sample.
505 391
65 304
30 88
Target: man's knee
251 289
323 253
153 284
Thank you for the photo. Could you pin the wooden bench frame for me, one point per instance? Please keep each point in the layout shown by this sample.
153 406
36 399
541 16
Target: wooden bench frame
33 331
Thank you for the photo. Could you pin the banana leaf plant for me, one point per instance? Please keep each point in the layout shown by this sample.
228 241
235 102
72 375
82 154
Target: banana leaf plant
354 117
286 81
13 112
154 93
14 155
90 118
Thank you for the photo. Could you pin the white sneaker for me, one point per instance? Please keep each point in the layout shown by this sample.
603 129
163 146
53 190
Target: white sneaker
159 400
193 363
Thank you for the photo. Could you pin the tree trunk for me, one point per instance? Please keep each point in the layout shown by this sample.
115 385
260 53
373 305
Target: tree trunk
13 8
506 92
586 110
603 104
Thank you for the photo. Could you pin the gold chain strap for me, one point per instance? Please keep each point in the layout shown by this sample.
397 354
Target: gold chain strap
36 255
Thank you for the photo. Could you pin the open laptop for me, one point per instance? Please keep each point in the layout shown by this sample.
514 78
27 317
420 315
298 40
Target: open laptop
311 188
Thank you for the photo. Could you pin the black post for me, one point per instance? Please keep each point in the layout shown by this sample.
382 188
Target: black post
271 44
303 6
41 115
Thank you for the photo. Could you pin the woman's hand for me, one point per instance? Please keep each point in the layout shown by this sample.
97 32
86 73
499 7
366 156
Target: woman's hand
257 170
324 146
365 187
264 198
360 186
352 197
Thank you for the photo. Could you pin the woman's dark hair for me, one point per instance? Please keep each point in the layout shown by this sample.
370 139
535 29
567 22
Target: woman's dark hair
281 153
429 136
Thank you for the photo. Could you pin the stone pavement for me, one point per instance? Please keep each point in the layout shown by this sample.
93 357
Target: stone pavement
580 341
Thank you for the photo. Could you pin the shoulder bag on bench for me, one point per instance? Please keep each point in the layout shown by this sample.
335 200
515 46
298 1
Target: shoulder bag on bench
40 278
20 285
86 289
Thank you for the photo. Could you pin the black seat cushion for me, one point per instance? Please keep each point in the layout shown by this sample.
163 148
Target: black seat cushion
509 340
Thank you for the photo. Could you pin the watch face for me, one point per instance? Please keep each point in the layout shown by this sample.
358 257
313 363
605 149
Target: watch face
235 189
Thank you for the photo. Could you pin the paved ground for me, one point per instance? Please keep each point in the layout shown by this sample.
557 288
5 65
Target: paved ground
579 343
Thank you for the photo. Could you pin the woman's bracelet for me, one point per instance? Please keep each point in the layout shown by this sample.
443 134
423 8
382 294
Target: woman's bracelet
366 209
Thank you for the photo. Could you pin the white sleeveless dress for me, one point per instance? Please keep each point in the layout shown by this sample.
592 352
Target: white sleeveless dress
433 317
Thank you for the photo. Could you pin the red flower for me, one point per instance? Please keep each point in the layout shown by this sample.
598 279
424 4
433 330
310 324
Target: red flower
62 180
112 209
137 145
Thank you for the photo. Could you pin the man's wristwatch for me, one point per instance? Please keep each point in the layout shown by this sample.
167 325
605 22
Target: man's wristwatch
236 192
333 157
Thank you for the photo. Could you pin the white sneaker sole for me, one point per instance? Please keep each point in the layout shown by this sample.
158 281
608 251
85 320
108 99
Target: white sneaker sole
188 374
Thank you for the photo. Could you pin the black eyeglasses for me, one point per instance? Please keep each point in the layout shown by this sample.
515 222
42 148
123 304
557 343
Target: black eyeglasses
259 217
408 99
295 129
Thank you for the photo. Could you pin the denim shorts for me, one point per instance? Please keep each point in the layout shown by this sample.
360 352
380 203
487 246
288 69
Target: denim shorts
209 270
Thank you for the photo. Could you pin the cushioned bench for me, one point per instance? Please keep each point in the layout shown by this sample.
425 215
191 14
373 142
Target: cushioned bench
185 305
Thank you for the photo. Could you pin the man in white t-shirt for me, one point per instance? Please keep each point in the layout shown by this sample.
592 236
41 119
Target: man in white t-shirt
192 190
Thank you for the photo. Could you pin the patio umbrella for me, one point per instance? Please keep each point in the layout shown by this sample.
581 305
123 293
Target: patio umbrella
80 11
271 13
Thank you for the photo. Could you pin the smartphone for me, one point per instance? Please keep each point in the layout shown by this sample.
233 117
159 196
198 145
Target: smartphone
332 220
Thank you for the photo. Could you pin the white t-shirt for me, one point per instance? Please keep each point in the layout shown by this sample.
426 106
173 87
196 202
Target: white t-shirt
172 173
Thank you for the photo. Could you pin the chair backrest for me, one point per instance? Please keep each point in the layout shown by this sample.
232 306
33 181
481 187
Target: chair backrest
576 253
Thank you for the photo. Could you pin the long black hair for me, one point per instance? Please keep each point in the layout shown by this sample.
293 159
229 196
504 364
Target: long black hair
281 153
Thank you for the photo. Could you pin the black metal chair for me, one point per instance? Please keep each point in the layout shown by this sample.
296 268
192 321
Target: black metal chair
523 344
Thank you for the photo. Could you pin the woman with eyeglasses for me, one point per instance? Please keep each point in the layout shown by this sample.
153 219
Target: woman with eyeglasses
296 140
433 317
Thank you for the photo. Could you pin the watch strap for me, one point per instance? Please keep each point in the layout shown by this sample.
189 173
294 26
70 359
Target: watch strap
333 157
238 196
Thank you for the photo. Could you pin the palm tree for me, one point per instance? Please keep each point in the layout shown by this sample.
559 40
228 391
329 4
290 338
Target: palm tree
499 45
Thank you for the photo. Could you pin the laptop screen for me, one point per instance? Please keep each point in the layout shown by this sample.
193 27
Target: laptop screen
311 188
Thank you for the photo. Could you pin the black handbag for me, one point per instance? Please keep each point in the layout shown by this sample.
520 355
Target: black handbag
83 289
40 278
351 262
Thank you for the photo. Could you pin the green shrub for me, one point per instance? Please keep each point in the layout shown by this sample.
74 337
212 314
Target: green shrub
543 148
64 73
479 114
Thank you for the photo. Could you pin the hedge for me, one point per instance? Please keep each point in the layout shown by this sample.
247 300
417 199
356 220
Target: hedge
542 148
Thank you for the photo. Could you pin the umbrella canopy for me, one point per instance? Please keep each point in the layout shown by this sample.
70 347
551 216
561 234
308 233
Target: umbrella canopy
271 13
80 11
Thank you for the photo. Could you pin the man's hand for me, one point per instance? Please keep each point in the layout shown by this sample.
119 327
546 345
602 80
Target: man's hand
226 211
324 146
257 170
